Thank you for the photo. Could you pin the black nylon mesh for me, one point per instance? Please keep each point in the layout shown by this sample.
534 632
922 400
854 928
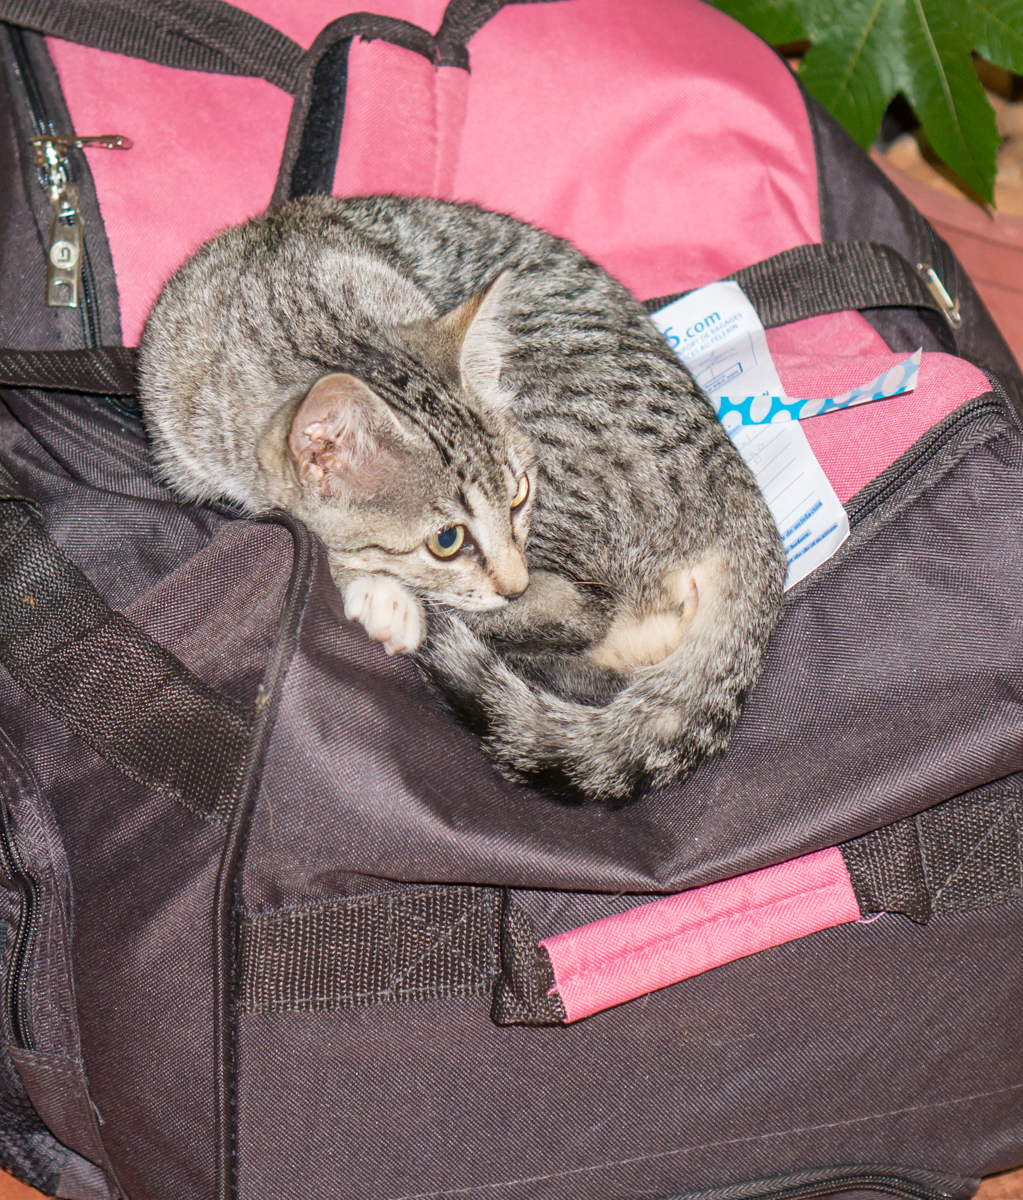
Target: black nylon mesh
128 698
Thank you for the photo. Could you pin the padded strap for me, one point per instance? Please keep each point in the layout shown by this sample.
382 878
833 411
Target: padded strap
130 699
105 371
195 35
828 277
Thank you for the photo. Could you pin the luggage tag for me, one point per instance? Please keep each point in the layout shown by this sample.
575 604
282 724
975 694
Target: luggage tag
716 332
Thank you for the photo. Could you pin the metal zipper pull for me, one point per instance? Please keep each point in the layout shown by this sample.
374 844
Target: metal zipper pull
949 306
64 251
64 246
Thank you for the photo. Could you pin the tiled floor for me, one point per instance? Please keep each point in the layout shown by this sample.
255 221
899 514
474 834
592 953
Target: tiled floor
998 1187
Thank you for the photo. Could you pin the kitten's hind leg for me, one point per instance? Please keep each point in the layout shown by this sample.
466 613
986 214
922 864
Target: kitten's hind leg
646 637
388 612
551 614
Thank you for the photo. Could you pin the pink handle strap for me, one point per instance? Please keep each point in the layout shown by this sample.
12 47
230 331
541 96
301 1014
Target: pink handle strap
619 958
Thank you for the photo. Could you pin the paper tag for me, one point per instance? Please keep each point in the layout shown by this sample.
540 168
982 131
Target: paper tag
716 332
763 409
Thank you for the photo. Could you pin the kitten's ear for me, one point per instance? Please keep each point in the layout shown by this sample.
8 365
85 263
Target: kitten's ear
343 436
483 342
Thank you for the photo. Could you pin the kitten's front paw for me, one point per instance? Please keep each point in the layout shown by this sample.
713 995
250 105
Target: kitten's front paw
387 612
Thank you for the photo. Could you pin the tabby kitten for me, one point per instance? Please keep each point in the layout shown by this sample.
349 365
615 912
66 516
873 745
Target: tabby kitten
514 477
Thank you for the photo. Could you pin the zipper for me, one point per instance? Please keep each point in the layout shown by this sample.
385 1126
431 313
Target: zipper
16 984
893 479
64 247
892 1185
69 275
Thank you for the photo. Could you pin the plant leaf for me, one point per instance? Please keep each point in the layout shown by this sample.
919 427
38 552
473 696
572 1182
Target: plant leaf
998 31
776 21
940 84
855 65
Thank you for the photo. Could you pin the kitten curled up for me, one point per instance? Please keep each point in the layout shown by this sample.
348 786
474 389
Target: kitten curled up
515 479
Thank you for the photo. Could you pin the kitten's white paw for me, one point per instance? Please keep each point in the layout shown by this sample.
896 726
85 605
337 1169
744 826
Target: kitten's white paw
387 612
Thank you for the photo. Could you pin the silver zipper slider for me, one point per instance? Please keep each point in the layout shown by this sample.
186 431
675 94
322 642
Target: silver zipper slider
949 306
64 246
64 250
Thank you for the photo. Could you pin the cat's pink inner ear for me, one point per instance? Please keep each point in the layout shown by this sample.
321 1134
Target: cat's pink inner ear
334 437
483 340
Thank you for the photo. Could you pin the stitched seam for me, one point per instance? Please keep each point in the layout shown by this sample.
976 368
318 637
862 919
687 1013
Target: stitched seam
679 1150
709 924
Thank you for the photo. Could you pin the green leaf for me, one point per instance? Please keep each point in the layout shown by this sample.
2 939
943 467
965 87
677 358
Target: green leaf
998 31
940 84
855 65
776 21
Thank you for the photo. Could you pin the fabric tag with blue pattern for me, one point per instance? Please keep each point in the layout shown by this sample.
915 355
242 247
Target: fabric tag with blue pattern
766 409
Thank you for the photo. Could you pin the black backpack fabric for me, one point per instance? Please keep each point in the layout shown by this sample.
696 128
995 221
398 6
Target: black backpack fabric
270 917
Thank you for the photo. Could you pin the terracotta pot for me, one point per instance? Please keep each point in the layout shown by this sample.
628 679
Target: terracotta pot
989 247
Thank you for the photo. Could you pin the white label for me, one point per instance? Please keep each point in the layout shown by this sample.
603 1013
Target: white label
716 332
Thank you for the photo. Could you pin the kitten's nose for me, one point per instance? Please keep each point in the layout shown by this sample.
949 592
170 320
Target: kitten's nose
511 577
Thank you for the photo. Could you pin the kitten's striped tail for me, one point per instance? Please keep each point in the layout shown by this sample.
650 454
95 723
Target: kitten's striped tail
652 733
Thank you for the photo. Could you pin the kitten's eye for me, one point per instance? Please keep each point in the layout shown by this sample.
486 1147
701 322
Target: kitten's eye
521 492
446 542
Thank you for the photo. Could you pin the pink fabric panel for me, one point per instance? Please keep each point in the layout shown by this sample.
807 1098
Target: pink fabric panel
205 155
855 445
451 97
206 150
403 123
825 356
659 136
646 948
834 333
388 139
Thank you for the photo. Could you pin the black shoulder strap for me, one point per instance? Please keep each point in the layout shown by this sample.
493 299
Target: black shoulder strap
828 277
105 371
130 699
217 37
196 35
807 281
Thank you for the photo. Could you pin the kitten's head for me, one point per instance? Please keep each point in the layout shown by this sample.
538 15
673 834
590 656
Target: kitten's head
417 470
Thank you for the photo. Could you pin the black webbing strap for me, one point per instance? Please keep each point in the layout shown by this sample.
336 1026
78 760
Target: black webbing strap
418 944
105 371
195 35
964 853
807 281
827 277
421 943
429 943
130 699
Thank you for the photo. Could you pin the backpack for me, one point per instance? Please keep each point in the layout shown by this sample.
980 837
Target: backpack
273 925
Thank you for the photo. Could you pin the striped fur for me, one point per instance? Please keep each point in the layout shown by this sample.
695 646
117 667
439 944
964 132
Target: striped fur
656 569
